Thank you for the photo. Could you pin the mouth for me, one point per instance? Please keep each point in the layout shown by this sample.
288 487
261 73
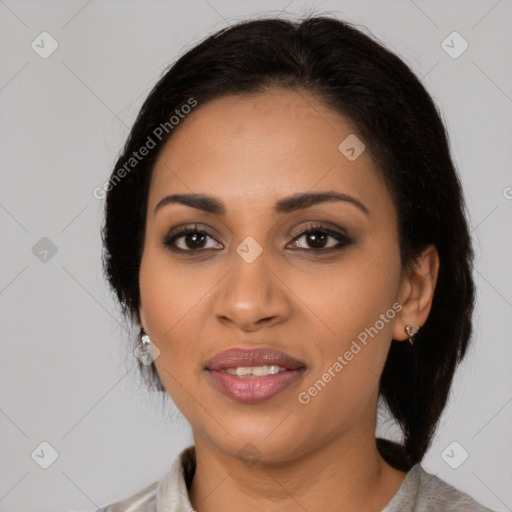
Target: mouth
253 375
251 372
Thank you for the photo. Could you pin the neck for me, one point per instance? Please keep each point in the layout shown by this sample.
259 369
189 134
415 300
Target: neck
347 473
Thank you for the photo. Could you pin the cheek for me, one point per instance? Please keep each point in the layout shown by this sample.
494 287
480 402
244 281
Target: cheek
170 296
356 303
170 287
351 296
346 374
173 298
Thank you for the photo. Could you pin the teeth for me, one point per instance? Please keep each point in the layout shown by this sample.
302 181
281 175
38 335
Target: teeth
255 371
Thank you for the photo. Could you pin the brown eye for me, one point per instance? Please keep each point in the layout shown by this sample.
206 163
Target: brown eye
316 237
189 240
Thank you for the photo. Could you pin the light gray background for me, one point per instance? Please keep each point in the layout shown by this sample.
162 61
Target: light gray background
66 376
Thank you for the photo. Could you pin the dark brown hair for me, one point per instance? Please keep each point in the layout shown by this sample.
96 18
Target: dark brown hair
356 76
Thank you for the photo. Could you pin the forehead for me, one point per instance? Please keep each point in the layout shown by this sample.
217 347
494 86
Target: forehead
263 146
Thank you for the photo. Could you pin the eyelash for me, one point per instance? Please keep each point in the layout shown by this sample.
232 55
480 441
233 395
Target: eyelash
343 239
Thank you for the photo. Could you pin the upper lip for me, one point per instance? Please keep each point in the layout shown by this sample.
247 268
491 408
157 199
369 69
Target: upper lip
244 357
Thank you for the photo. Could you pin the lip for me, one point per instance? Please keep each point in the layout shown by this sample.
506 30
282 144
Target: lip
255 389
239 356
252 390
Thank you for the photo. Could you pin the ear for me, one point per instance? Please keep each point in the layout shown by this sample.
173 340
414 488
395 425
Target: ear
416 294
142 318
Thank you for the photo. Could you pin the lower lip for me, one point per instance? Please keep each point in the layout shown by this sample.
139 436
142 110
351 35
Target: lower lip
251 390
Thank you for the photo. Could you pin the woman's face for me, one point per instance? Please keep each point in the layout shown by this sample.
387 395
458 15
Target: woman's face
253 282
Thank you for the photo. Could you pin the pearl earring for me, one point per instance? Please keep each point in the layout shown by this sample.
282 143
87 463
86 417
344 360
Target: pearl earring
409 329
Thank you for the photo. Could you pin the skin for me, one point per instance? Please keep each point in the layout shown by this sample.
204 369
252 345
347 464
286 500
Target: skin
250 151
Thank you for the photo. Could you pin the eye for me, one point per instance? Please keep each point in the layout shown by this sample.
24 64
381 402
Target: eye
193 239
318 235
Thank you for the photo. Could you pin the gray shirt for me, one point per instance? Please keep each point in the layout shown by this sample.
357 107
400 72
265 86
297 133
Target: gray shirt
420 492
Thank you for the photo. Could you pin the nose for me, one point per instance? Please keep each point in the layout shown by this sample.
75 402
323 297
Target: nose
253 296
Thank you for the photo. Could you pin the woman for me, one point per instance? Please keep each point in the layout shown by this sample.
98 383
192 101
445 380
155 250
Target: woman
287 229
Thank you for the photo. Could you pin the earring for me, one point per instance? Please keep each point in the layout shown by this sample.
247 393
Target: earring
409 329
146 341
147 351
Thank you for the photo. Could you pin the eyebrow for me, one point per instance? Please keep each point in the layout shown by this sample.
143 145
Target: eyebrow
289 204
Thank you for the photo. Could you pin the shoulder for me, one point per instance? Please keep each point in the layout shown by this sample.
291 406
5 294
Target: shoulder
434 493
169 493
143 501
